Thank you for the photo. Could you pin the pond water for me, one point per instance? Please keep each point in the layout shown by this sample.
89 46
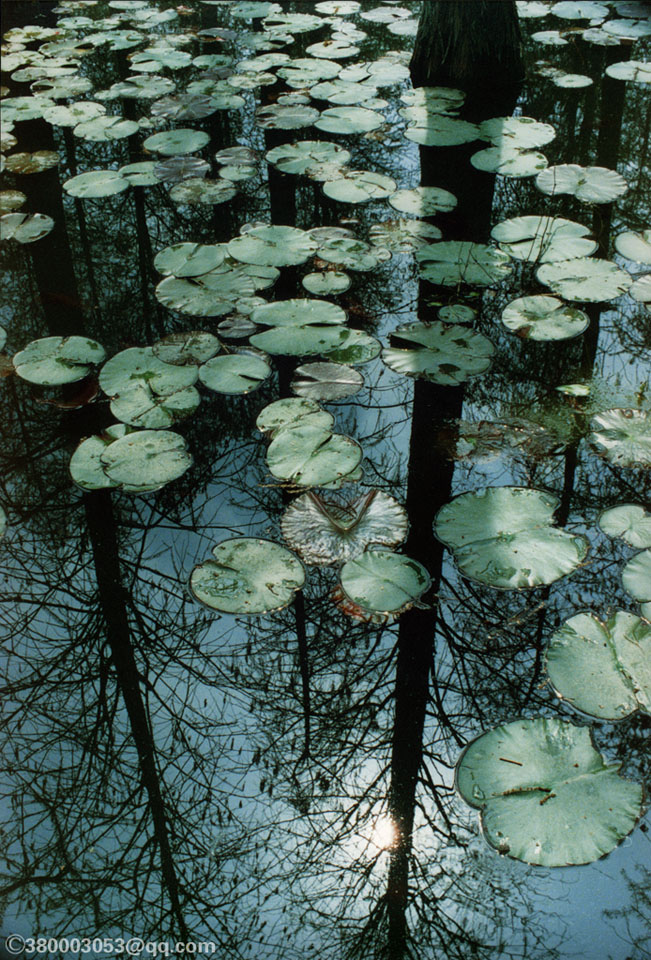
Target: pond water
251 748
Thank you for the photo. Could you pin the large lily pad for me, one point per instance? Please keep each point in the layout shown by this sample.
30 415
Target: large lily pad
297 157
351 253
589 184
630 522
359 186
52 361
403 236
441 353
523 133
286 117
292 412
326 381
509 161
273 246
546 795
300 327
636 580
195 190
602 669
544 318
637 71
326 282
189 347
140 365
312 456
172 143
235 373
25 227
106 129
505 537
543 239
459 261
587 279
354 346
146 459
141 406
423 201
434 130
382 582
622 436
325 531
349 120
189 259
86 466
96 183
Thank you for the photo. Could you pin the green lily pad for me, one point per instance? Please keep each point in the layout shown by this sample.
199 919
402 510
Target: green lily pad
546 795
274 246
95 184
139 405
589 184
636 579
292 117
403 236
326 283
140 365
522 133
504 537
349 120
622 436
580 10
587 279
459 261
442 353
435 130
630 521
190 106
637 71
180 168
423 201
189 259
195 190
141 174
145 460
324 531
509 161
544 318
573 81
640 289
74 113
543 239
190 347
634 246
52 361
11 200
381 582
86 467
235 373
106 129
292 412
310 456
171 143
351 253
344 93
359 186
26 163
306 71
25 227
247 576
326 381
602 669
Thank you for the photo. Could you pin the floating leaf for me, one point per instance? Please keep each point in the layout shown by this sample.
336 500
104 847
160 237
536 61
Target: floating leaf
441 353
459 261
602 669
381 582
509 161
423 201
640 289
310 456
580 10
343 92
403 236
86 466
279 117
24 163
636 579
195 190
634 246
141 174
139 405
354 346
95 184
326 381
247 576
74 113
359 186
141 365
11 200
235 374
545 794
189 106
175 142
326 531
326 283
292 412
435 130
190 347
52 361
145 460
351 253
544 318
106 129
584 278
623 437
189 259
504 537
589 184
637 71
273 246
181 168
630 521
25 227
349 120
522 133
543 239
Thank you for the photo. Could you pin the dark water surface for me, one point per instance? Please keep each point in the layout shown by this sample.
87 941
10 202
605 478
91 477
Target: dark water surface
281 786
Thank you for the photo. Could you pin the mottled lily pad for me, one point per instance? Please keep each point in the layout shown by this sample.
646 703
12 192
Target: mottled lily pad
509 161
326 381
544 318
190 347
630 521
311 456
636 580
326 283
274 246
623 437
440 353
587 279
634 246
349 120
95 184
146 459
291 412
25 227
382 582
24 163
176 142
543 239
195 190
52 361
189 259
423 201
589 184
236 373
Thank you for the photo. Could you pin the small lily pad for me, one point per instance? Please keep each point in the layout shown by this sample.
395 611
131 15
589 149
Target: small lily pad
441 353
141 174
622 436
634 246
195 190
52 361
382 582
544 318
509 161
86 466
326 283
543 239
235 374
589 184
25 163
311 456
95 184
630 521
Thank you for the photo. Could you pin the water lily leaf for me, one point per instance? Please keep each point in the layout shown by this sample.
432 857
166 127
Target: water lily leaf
349 120
95 184
181 168
297 157
74 113
56 360
602 669
326 381
441 353
326 283
191 347
238 171
252 10
623 437
273 246
333 49
423 201
585 279
106 129
279 117
637 71
630 521
189 259
141 174
636 579
145 460
581 10
544 318
309 455
235 373
379 581
141 365
588 184
634 246
293 22
573 81
640 289
509 161
191 106
354 346
403 236
628 29
236 327
435 130
324 531
138 87
543 239
343 92
504 537
599 37
292 412
338 8
549 38
25 108
443 100
459 261
195 190
299 313
457 313
247 576
140 406
306 71
237 155
11 200
351 253
24 163
25 227
546 795
86 467
190 297
171 143
359 186
523 133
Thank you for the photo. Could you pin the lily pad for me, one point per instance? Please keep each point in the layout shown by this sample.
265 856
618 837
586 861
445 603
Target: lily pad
311 456
25 163
190 347
630 521
602 669
351 253
636 579
95 184
181 168
546 795
235 374
640 289
435 130
141 174
292 117
292 412
74 113
52 361
359 186
349 120
140 365
194 190
382 582
504 537
325 531
139 405
423 201
634 246
25 227
623 437
585 278
354 346
543 239
637 71
441 353
459 261
189 259
588 184
326 283
326 381
176 142
11 200
86 466
523 133
403 236
544 318
273 246
509 161
145 460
